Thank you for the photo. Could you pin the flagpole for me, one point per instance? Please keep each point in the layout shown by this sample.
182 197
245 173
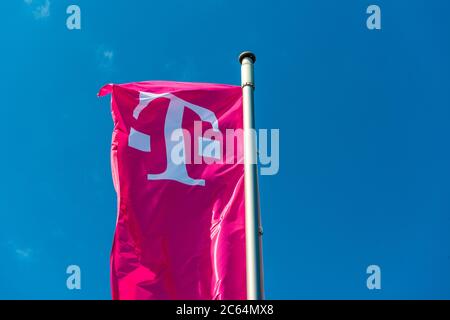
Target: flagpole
253 229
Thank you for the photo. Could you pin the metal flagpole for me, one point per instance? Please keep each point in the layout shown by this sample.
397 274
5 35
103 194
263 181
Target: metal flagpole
253 229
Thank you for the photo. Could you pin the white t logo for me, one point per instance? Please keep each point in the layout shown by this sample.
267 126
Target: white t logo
173 121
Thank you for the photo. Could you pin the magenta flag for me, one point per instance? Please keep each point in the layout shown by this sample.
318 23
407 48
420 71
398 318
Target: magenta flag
177 169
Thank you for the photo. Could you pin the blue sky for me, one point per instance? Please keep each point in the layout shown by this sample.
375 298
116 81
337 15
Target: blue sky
364 125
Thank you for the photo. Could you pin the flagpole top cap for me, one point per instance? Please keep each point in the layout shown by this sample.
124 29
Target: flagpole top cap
247 54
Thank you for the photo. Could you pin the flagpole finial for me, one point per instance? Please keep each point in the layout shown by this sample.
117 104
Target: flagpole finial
247 54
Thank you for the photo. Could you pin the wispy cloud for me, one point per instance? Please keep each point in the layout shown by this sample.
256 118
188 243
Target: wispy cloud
24 253
21 252
41 8
105 57
108 54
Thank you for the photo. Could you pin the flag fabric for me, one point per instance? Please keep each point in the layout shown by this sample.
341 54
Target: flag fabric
180 229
